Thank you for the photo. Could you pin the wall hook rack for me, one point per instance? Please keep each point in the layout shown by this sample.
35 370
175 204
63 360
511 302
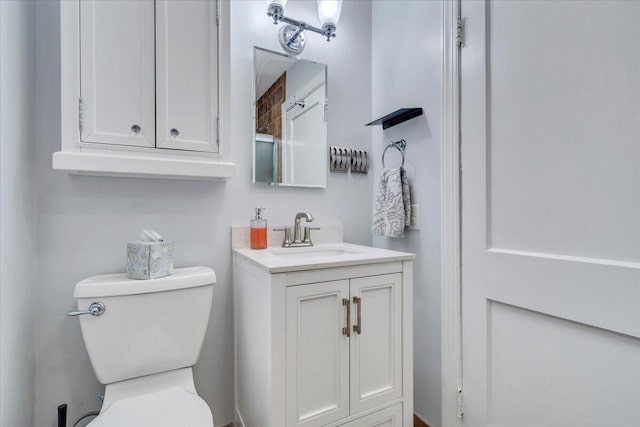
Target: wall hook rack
348 160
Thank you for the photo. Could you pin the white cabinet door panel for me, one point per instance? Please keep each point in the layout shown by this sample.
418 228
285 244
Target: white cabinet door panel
390 417
376 351
187 75
117 72
317 354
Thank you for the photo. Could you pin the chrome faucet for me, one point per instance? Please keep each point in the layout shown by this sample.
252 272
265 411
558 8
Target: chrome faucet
298 238
296 229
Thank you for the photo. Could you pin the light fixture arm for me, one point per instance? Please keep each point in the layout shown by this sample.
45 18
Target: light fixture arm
277 13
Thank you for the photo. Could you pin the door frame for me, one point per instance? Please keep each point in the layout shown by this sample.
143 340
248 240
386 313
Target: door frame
451 228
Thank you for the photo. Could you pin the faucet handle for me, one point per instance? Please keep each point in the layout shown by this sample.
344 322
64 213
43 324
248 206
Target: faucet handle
287 236
307 234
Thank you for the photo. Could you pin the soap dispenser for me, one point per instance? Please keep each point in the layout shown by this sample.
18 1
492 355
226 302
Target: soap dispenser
258 231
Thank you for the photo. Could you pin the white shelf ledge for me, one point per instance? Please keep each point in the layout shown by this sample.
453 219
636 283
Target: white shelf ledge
99 164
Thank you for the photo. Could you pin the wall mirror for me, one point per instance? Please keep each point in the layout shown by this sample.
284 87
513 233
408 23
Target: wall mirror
290 123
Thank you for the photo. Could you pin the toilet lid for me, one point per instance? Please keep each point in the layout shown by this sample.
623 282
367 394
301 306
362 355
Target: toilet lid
167 408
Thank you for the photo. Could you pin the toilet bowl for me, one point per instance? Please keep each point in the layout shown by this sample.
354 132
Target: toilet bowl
167 400
144 343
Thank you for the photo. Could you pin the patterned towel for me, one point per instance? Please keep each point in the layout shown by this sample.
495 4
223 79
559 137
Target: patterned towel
392 211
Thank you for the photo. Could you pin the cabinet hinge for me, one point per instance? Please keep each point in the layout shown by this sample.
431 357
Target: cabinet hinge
460 31
326 108
217 12
218 131
459 411
80 112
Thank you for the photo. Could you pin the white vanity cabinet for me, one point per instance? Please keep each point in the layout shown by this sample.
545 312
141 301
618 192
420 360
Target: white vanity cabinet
140 88
324 342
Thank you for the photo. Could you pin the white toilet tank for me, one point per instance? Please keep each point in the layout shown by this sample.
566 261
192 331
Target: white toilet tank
148 326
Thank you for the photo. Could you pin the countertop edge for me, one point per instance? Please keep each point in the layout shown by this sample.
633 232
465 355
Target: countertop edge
398 256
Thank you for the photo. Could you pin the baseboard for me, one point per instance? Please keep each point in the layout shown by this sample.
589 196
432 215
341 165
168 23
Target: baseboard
419 422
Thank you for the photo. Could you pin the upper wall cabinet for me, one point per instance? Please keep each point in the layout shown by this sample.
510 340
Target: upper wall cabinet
140 88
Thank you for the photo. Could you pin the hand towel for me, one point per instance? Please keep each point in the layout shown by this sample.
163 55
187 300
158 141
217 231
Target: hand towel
392 210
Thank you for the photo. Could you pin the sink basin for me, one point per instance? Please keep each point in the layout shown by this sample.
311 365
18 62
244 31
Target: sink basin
312 252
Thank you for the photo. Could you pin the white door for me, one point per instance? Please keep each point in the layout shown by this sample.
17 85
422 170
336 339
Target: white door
551 213
389 417
305 140
317 348
117 72
187 74
376 341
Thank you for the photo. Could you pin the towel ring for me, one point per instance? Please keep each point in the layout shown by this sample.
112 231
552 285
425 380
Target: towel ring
398 145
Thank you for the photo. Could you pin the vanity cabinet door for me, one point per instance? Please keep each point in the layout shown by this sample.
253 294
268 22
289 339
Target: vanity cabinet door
117 87
376 347
187 75
317 352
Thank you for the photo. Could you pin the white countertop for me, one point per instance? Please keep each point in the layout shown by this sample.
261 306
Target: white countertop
330 255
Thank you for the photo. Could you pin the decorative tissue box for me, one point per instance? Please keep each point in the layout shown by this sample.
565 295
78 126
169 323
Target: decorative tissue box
149 260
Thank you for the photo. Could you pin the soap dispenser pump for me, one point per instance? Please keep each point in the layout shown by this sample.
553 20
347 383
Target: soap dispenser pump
258 231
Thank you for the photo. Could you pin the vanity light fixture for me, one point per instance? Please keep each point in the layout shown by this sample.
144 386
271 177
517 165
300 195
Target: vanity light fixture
291 36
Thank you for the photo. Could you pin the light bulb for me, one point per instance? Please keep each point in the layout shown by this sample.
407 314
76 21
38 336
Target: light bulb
329 12
275 9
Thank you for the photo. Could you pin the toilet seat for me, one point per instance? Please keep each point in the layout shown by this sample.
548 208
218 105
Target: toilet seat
167 408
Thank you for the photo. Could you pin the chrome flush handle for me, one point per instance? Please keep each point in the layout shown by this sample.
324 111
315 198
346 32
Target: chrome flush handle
95 309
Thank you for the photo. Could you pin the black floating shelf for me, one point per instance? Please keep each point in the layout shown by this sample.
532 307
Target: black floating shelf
397 117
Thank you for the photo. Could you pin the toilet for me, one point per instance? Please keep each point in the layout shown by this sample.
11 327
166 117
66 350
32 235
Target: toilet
143 343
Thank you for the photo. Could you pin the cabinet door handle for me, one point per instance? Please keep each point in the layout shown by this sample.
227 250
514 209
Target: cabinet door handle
357 328
346 331
174 132
135 128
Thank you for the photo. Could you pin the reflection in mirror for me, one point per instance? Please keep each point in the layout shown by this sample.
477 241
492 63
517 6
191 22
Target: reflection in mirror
290 126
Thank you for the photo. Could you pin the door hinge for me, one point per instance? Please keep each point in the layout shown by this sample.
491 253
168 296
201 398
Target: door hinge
80 112
459 411
217 12
218 131
326 108
460 31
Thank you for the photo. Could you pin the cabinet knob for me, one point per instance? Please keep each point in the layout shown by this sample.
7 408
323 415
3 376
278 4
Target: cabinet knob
174 132
135 128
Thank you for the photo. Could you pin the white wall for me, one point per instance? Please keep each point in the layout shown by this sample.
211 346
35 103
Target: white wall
83 223
407 60
17 212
